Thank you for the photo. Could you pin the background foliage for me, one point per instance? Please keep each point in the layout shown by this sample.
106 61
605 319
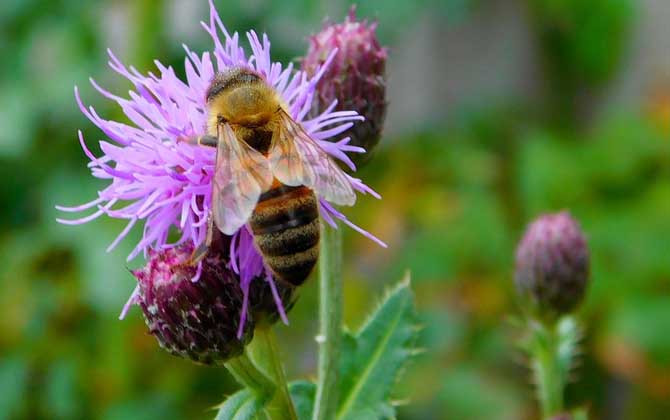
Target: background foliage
500 110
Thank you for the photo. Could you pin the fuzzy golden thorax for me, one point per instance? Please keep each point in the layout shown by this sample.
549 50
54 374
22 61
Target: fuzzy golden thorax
242 98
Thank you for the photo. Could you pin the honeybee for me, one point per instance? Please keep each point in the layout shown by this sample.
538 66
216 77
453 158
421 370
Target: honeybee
268 173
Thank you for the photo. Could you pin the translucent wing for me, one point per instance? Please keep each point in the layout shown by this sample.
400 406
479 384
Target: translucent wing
297 159
241 175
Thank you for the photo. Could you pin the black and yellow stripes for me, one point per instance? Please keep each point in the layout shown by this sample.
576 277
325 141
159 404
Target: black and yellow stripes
285 224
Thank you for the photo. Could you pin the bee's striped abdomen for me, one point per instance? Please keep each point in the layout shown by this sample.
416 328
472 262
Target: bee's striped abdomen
285 224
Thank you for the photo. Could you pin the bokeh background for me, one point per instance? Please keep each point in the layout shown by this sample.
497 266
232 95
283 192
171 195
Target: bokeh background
499 110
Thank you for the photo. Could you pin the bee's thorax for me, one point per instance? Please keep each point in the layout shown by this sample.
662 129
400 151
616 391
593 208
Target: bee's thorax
240 97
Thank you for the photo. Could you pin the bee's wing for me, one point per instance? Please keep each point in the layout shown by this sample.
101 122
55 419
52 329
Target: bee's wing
297 159
241 175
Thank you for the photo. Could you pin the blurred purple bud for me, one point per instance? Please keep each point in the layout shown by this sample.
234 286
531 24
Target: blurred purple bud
193 312
355 78
552 263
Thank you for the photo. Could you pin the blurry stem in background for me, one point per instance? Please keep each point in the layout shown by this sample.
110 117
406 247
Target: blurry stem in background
552 347
548 377
265 353
148 31
330 321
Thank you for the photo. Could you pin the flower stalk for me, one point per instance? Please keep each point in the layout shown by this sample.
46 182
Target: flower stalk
547 372
265 353
330 321
552 347
246 373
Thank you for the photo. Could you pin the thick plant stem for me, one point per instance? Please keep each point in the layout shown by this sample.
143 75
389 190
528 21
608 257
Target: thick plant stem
330 320
266 354
246 373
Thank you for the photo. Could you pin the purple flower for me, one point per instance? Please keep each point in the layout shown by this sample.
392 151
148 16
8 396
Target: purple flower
164 184
195 320
355 77
552 263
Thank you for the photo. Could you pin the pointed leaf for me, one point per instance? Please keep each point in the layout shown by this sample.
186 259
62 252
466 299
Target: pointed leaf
373 359
302 394
242 405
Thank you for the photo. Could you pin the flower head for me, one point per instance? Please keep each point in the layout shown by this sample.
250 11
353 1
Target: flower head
195 320
355 78
164 184
552 263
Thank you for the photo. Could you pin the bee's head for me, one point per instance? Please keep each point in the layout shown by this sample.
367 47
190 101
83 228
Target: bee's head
240 96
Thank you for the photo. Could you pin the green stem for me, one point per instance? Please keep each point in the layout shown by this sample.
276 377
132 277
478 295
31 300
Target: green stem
246 373
266 354
330 320
550 375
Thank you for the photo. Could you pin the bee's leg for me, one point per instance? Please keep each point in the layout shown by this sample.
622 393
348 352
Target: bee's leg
205 140
201 251
208 140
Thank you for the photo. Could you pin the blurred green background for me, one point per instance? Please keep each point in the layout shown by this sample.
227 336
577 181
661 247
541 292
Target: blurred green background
499 111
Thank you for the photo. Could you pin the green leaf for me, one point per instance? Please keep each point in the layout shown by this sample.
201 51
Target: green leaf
302 394
242 405
372 360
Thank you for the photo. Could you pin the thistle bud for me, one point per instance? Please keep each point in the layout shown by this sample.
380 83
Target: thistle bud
552 264
355 78
197 320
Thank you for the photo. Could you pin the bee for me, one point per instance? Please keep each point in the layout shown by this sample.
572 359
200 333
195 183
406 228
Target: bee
268 173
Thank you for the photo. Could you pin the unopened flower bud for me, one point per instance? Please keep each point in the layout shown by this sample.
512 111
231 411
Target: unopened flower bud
552 263
355 78
198 319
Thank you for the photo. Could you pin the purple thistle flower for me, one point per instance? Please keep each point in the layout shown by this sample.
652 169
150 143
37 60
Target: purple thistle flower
163 183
